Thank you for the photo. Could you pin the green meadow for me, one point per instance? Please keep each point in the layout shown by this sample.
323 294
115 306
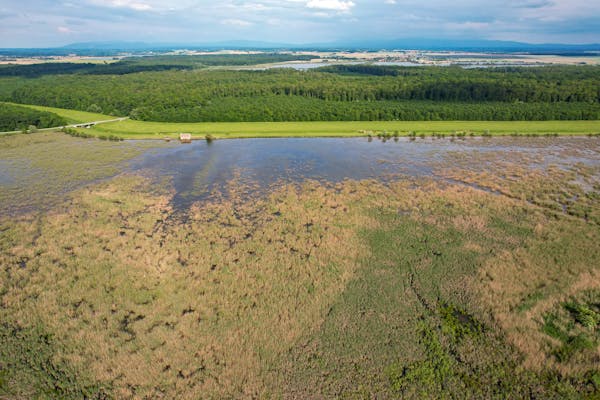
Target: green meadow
131 129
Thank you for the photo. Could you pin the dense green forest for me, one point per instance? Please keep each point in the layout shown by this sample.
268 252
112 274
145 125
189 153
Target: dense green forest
297 108
13 118
132 65
208 60
342 92
118 68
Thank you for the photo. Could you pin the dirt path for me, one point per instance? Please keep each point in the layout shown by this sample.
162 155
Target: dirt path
79 125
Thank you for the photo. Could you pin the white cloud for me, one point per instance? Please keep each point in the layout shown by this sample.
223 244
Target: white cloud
255 7
468 25
237 22
562 10
296 21
334 5
134 5
131 4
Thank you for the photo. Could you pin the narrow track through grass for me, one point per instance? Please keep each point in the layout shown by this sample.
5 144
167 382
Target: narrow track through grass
131 129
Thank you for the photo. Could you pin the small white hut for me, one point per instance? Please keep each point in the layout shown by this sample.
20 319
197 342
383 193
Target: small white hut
185 137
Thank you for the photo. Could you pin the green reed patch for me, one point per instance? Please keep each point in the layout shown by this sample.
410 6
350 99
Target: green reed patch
575 324
31 367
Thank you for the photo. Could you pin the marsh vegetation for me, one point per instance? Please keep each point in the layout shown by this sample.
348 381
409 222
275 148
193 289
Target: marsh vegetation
473 275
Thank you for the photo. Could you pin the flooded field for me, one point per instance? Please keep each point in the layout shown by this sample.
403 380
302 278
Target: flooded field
38 170
299 268
51 165
203 170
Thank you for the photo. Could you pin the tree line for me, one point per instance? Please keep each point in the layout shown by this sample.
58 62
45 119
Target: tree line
16 118
333 93
132 65
294 108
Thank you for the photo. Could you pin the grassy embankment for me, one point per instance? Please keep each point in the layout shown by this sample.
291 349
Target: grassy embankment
130 129
354 290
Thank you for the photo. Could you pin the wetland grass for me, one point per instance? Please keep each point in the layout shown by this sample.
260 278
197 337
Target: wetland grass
44 166
181 308
479 286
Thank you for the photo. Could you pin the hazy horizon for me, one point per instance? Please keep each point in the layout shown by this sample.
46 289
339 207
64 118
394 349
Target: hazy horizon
434 44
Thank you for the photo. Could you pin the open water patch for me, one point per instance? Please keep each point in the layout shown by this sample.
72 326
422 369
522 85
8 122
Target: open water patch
201 169
39 173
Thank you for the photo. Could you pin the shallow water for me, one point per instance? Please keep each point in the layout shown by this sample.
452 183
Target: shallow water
199 169
37 175
467 65
311 65
6 177
37 171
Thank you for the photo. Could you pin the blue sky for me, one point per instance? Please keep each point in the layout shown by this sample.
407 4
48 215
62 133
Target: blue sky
39 23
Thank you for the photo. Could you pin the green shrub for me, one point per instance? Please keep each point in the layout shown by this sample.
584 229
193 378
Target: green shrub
75 133
428 375
552 329
457 323
31 368
583 314
574 344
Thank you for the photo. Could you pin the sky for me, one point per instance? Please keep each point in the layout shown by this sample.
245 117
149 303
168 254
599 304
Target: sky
48 23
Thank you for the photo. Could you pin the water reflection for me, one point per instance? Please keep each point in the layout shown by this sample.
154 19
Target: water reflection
199 169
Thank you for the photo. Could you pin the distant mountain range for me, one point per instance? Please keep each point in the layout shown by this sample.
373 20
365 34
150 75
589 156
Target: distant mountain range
112 48
398 44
